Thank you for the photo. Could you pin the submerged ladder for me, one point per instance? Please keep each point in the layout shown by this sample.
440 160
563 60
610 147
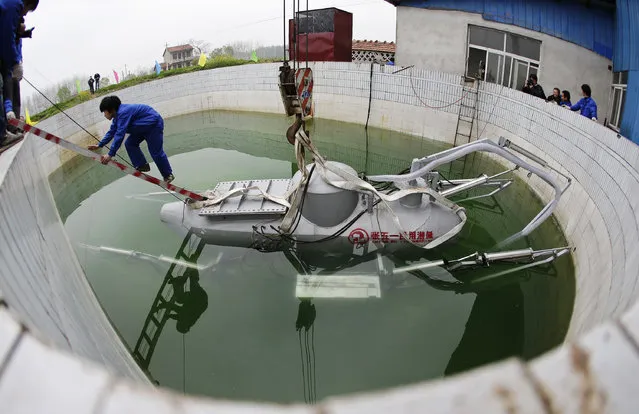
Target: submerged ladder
159 314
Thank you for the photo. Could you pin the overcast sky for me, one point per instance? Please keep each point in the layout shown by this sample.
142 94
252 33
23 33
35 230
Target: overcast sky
81 37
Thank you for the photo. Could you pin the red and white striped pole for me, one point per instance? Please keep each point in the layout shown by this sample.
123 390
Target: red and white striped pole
96 157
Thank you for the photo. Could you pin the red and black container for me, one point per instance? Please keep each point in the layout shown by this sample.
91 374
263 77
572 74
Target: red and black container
330 36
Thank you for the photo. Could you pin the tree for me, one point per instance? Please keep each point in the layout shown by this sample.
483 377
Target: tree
64 94
226 50
202 46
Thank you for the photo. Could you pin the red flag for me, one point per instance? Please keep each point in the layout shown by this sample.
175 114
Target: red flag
117 78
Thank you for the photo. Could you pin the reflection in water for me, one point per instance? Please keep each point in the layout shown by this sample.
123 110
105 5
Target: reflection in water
173 301
188 306
306 314
494 331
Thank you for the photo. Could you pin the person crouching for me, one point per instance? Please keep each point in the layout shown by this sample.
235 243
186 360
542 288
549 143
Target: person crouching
143 123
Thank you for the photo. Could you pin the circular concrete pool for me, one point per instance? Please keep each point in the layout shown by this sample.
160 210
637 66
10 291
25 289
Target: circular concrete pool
239 340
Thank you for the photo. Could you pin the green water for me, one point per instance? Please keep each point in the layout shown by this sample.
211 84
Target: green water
244 343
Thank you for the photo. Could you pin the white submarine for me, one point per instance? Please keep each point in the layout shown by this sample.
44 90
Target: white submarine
327 208
327 204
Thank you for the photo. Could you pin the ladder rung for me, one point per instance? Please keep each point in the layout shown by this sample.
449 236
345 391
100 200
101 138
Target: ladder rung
147 338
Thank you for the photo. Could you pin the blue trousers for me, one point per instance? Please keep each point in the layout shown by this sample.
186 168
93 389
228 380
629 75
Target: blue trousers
154 137
3 120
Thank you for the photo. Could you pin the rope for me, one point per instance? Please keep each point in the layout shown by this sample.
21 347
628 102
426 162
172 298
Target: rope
73 120
410 76
299 336
183 364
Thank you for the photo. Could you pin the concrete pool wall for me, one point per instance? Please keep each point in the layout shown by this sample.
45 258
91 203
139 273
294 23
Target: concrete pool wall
56 343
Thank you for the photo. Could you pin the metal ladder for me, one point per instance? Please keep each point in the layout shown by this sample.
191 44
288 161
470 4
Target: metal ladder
467 111
159 315
465 124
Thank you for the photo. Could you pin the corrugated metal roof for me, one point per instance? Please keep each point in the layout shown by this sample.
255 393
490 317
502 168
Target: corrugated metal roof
589 27
627 59
627 36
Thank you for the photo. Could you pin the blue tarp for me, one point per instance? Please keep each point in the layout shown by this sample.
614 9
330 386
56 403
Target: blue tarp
592 28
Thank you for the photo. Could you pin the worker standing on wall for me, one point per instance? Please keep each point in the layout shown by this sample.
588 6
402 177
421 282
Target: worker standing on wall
587 106
143 123
11 12
12 99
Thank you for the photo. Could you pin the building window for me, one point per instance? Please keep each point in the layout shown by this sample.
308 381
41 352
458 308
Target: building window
501 57
617 99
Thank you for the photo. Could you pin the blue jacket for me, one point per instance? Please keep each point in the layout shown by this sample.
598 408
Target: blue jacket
19 50
133 119
565 103
588 107
8 105
10 14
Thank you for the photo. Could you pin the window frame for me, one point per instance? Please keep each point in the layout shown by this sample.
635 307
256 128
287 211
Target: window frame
530 63
623 88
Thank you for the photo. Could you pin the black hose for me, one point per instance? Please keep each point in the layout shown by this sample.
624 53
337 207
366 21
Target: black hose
370 101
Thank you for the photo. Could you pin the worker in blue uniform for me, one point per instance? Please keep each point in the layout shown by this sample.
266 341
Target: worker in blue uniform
586 105
565 99
11 12
11 90
143 123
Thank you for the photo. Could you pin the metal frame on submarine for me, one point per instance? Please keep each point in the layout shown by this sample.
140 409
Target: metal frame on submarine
328 207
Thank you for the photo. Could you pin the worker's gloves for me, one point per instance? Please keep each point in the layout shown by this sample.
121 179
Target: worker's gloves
594 119
18 72
11 115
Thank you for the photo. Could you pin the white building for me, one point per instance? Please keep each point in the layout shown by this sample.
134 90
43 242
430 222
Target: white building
178 57
474 43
